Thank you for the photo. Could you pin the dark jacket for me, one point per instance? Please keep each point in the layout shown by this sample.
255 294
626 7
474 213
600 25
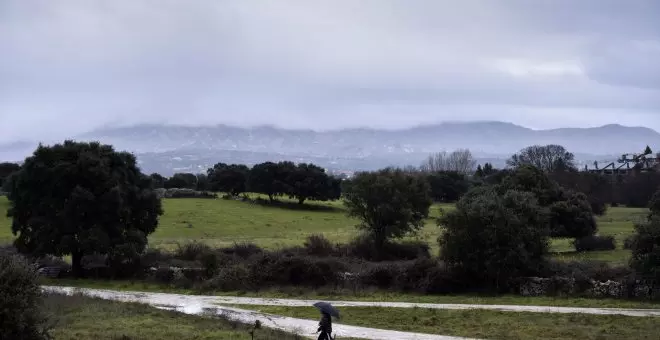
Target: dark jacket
325 325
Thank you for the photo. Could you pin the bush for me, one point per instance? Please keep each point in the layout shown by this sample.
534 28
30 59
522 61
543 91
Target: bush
492 238
192 251
585 270
318 245
645 249
233 277
154 258
243 250
628 243
183 193
382 275
598 207
365 247
572 216
593 243
21 315
389 203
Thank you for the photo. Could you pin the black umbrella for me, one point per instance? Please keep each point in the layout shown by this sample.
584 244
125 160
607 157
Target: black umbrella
327 308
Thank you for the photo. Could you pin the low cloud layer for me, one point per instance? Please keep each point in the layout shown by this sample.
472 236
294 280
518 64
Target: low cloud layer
73 65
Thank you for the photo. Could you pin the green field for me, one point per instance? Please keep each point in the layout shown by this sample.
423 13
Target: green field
220 222
78 317
486 324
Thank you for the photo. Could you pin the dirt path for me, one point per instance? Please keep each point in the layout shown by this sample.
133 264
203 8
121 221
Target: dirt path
229 300
199 304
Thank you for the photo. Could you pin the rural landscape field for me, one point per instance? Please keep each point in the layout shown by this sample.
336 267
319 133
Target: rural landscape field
225 222
329 170
221 223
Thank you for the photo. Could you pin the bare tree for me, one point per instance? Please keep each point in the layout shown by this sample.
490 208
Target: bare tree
550 157
460 160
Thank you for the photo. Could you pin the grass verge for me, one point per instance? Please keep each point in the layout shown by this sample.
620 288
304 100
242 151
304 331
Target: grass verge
486 324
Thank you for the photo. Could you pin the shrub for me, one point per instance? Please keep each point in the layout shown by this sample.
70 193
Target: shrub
183 193
492 238
192 251
593 243
645 249
598 207
21 315
318 245
365 247
163 275
154 258
628 243
243 250
233 277
427 276
572 216
389 203
278 268
585 270
382 275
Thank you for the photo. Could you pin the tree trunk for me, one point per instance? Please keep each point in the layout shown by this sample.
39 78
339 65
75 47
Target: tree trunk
270 197
76 264
301 200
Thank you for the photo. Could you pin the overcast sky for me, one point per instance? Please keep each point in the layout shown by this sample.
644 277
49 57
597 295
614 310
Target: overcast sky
67 66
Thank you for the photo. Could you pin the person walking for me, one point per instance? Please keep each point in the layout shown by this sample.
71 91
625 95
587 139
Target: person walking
325 327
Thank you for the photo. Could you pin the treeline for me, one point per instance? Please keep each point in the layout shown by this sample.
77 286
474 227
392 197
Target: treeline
449 175
301 181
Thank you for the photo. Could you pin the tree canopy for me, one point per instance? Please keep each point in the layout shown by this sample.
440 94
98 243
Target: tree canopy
181 180
547 158
6 170
492 237
81 198
447 186
270 178
229 178
569 212
645 246
309 181
460 160
389 203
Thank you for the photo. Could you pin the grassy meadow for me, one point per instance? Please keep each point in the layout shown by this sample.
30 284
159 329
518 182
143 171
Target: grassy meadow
485 324
220 222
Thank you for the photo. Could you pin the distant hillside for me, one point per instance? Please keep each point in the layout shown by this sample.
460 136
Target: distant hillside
167 147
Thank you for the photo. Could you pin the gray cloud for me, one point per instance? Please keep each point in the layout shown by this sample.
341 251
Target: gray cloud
73 65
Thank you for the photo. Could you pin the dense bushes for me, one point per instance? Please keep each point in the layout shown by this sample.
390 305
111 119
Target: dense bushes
571 216
364 247
21 316
645 247
183 193
390 203
492 238
593 242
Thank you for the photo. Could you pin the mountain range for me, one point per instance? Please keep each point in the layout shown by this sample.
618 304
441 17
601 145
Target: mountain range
172 148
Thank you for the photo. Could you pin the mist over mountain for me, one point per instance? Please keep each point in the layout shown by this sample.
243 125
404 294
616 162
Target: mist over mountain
170 148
